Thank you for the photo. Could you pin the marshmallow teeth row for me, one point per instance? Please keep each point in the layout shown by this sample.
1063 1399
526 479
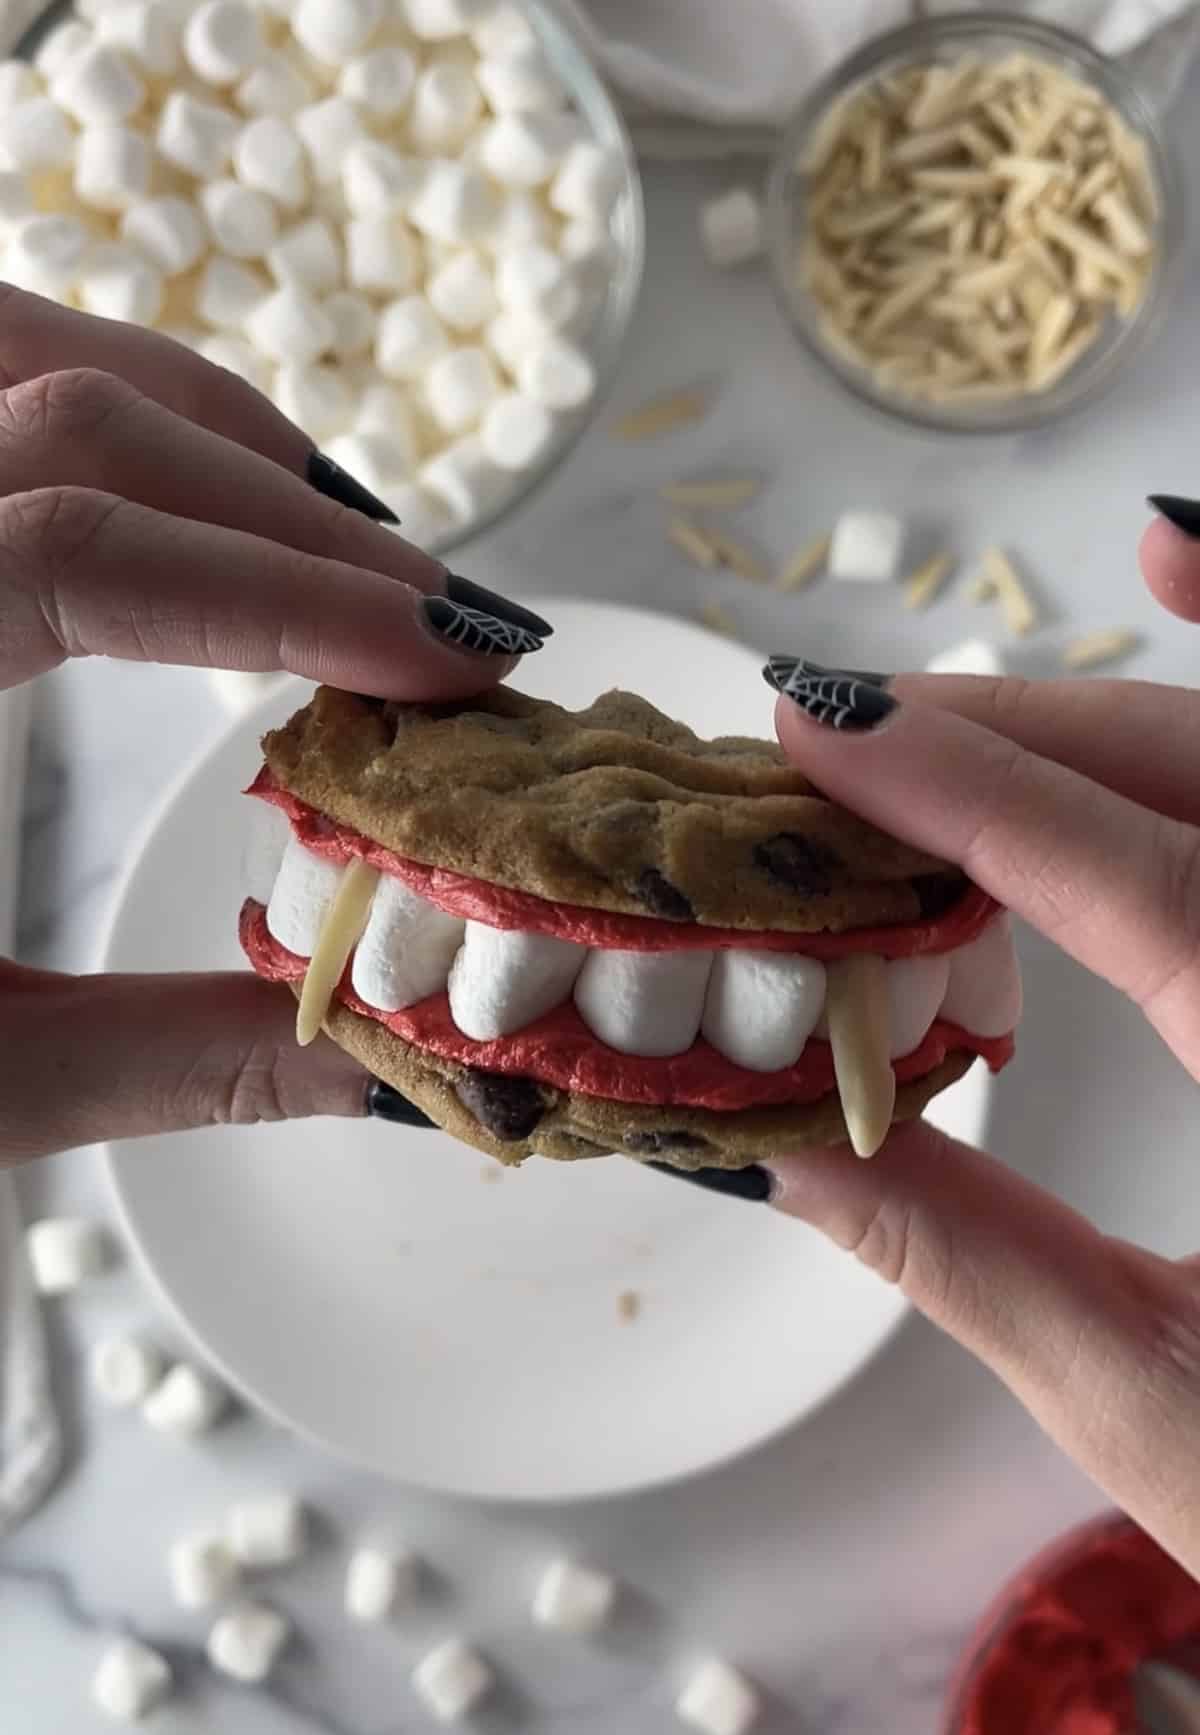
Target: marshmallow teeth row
757 1008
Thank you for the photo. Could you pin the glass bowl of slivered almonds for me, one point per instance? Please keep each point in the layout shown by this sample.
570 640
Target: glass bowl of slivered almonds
974 222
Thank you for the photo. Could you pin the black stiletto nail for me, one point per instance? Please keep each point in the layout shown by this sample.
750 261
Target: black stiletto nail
387 1104
839 700
1178 510
331 480
489 602
472 629
871 676
754 1183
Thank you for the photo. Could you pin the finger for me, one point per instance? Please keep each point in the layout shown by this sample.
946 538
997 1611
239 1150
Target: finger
1150 758
87 574
1170 560
1091 1334
116 1057
1114 885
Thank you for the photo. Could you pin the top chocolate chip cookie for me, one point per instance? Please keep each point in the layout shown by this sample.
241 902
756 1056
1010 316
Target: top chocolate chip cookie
614 807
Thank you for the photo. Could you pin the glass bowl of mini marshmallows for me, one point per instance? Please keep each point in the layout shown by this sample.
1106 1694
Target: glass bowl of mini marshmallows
415 224
974 222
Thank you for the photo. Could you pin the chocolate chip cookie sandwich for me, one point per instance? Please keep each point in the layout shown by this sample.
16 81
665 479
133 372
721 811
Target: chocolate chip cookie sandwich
571 933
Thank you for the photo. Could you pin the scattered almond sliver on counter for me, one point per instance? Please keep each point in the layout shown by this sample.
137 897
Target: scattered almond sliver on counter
921 586
661 416
692 541
972 227
737 557
1020 615
1104 646
805 564
720 492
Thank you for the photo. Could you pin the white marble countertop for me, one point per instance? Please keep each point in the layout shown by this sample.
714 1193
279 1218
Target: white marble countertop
845 1564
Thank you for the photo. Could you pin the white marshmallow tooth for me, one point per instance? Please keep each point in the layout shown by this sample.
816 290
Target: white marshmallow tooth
301 897
406 949
647 1003
762 1007
501 980
984 995
267 838
916 988
856 1005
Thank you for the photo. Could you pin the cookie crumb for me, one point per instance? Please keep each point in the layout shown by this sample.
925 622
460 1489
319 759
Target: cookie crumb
629 1306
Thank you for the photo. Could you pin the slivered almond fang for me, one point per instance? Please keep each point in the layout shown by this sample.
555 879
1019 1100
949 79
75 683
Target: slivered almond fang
856 1006
340 933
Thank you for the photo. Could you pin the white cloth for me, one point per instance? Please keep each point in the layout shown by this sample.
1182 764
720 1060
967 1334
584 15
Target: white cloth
30 1441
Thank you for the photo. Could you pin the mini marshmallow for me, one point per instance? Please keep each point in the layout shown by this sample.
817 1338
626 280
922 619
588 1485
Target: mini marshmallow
228 293
274 86
57 49
376 1580
130 1681
225 350
865 546
731 227
717 1700
18 83
556 373
380 82
463 479
195 136
145 31
125 1370
380 461
521 220
35 135
222 41
334 30
98 85
315 397
459 387
408 944
984 994
422 521
461 292
971 657
523 150
187 1402
378 181
242 222
585 243
519 83
382 409
536 281
353 321
446 103
515 432
503 32
307 257
301 897
328 129
511 336
437 20
409 337
916 988
203 1570
762 1007
246 1643
115 282
503 979
381 255
646 1003
587 182
452 1679
270 1530
268 156
16 201
573 1599
168 231
455 203
65 1252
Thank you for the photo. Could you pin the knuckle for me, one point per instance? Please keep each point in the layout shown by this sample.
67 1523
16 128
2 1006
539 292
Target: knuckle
254 1093
1007 701
47 529
73 404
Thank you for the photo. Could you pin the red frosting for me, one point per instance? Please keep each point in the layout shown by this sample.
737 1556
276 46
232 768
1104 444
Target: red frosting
559 1049
500 907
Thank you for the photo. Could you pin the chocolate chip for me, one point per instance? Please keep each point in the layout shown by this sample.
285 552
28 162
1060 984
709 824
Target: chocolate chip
661 898
937 893
649 1144
509 1107
802 864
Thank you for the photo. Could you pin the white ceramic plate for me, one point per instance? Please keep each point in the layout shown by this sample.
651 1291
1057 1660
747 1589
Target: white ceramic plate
396 1297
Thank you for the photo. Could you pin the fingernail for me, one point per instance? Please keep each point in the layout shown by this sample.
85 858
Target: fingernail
754 1183
473 629
872 676
387 1104
491 602
337 484
1178 510
841 700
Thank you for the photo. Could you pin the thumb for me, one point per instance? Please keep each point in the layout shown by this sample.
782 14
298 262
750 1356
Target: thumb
84 1058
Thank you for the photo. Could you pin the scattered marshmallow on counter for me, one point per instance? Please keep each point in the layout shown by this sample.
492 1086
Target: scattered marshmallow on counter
130 1681
377 1580
718 1701
731 227
125 1370
186 1403
65 1252
269 1530
865 546
971 657
203 1570
247 1641
574 1599
451 1680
